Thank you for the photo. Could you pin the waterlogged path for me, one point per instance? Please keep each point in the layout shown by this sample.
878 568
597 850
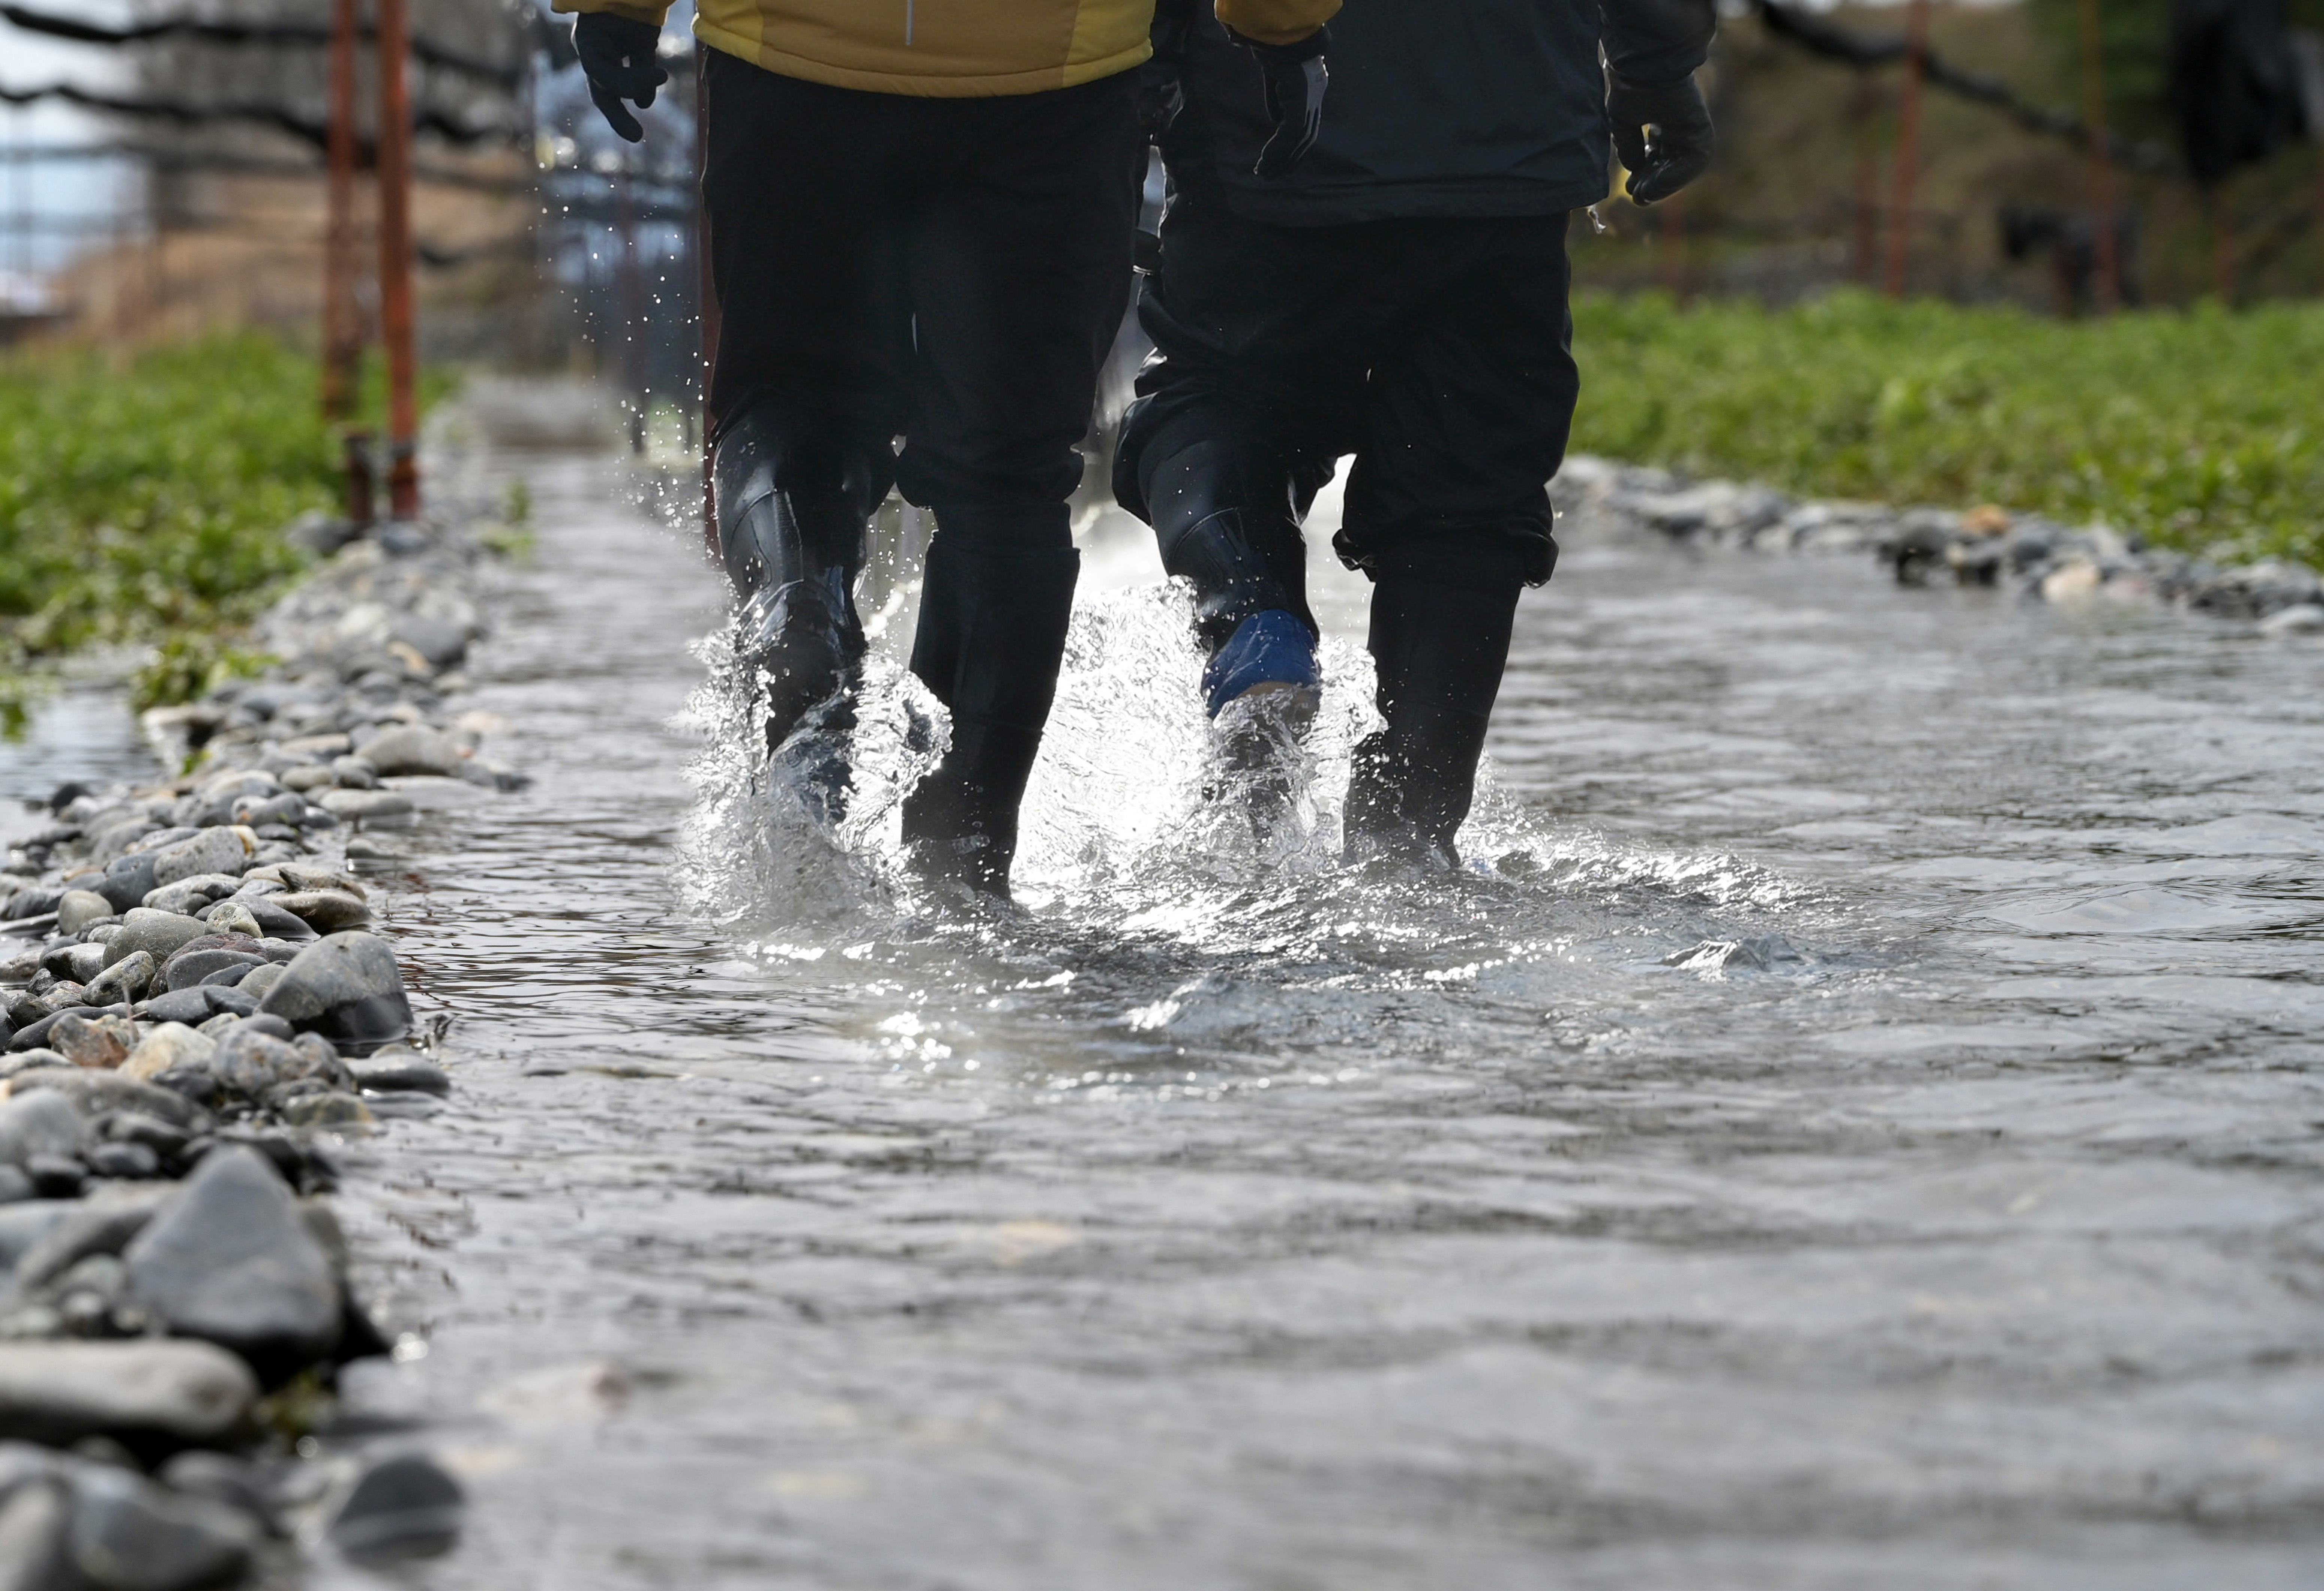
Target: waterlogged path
1863 1129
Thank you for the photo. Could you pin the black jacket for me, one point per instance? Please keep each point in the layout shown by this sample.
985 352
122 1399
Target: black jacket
1436 107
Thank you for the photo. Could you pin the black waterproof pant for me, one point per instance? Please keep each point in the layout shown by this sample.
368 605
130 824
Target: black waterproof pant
946 271
950 273
1436 351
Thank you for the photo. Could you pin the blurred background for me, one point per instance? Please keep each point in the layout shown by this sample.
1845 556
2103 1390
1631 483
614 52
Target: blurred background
164 170
2059 255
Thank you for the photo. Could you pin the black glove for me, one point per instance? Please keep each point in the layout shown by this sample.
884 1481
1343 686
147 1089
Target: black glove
1295 81
1662 134
619 56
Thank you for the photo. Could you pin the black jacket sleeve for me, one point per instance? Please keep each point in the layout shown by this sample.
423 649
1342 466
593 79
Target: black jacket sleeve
1652 41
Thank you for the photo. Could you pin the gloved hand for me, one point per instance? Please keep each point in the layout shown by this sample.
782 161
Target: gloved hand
618 54
1296 80
1662 134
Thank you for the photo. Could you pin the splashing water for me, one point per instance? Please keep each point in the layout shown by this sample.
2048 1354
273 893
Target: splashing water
1150 849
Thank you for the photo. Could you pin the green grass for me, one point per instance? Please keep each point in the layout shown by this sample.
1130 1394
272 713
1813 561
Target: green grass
2202 430
146 504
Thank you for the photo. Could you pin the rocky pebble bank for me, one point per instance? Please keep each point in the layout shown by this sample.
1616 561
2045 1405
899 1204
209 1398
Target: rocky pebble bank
195 1005
1986 545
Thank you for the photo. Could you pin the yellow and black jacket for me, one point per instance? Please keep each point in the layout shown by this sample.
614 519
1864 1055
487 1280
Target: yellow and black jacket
954 48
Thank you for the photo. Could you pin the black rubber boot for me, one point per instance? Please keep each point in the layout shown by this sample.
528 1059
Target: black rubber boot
1442 617
791 532
1222 517
994 608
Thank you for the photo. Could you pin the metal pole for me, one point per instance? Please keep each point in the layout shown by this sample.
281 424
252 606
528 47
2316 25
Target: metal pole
2107 289
395 263
1908 147
342 336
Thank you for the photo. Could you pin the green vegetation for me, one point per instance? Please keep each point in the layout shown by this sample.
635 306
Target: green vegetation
2198 430
146 504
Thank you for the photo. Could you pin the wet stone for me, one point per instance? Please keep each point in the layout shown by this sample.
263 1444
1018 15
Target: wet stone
136 1126
55 1176
260 980
411 748
362 806
231 916
325 911
127 978
228 1259
126 882
192 897
191 968
93 1093
274 922
330 1111
103 1044
187 1006
170 1045
80 908
213 850
158 934
32 1520
61 1392
405 1506
401 1069
82 963
249 1062
18 1062
39 1123
345 987
129 1162
127 1534
223 1478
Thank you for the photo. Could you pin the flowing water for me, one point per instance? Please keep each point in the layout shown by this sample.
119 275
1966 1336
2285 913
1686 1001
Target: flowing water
1857 1122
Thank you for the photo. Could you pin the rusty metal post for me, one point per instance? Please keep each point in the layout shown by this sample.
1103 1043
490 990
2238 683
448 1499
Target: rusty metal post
342 336
1908 147
395 263
362 507
2107 288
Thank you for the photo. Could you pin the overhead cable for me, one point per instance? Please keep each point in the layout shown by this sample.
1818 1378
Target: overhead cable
279 117
209 31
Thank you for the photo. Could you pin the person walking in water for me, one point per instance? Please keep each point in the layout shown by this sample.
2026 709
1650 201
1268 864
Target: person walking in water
1402 298
922 222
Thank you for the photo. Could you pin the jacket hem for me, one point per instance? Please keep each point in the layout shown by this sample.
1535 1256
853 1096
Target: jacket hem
925 84
1489 198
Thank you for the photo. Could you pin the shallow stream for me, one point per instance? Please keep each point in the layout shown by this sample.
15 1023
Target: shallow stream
1858 1122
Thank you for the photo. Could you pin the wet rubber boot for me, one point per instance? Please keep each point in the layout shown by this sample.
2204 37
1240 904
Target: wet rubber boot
1222 519
790 533
1439 640
994 608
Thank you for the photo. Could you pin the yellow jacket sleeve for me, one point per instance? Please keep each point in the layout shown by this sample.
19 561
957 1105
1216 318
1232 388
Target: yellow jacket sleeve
1276 22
